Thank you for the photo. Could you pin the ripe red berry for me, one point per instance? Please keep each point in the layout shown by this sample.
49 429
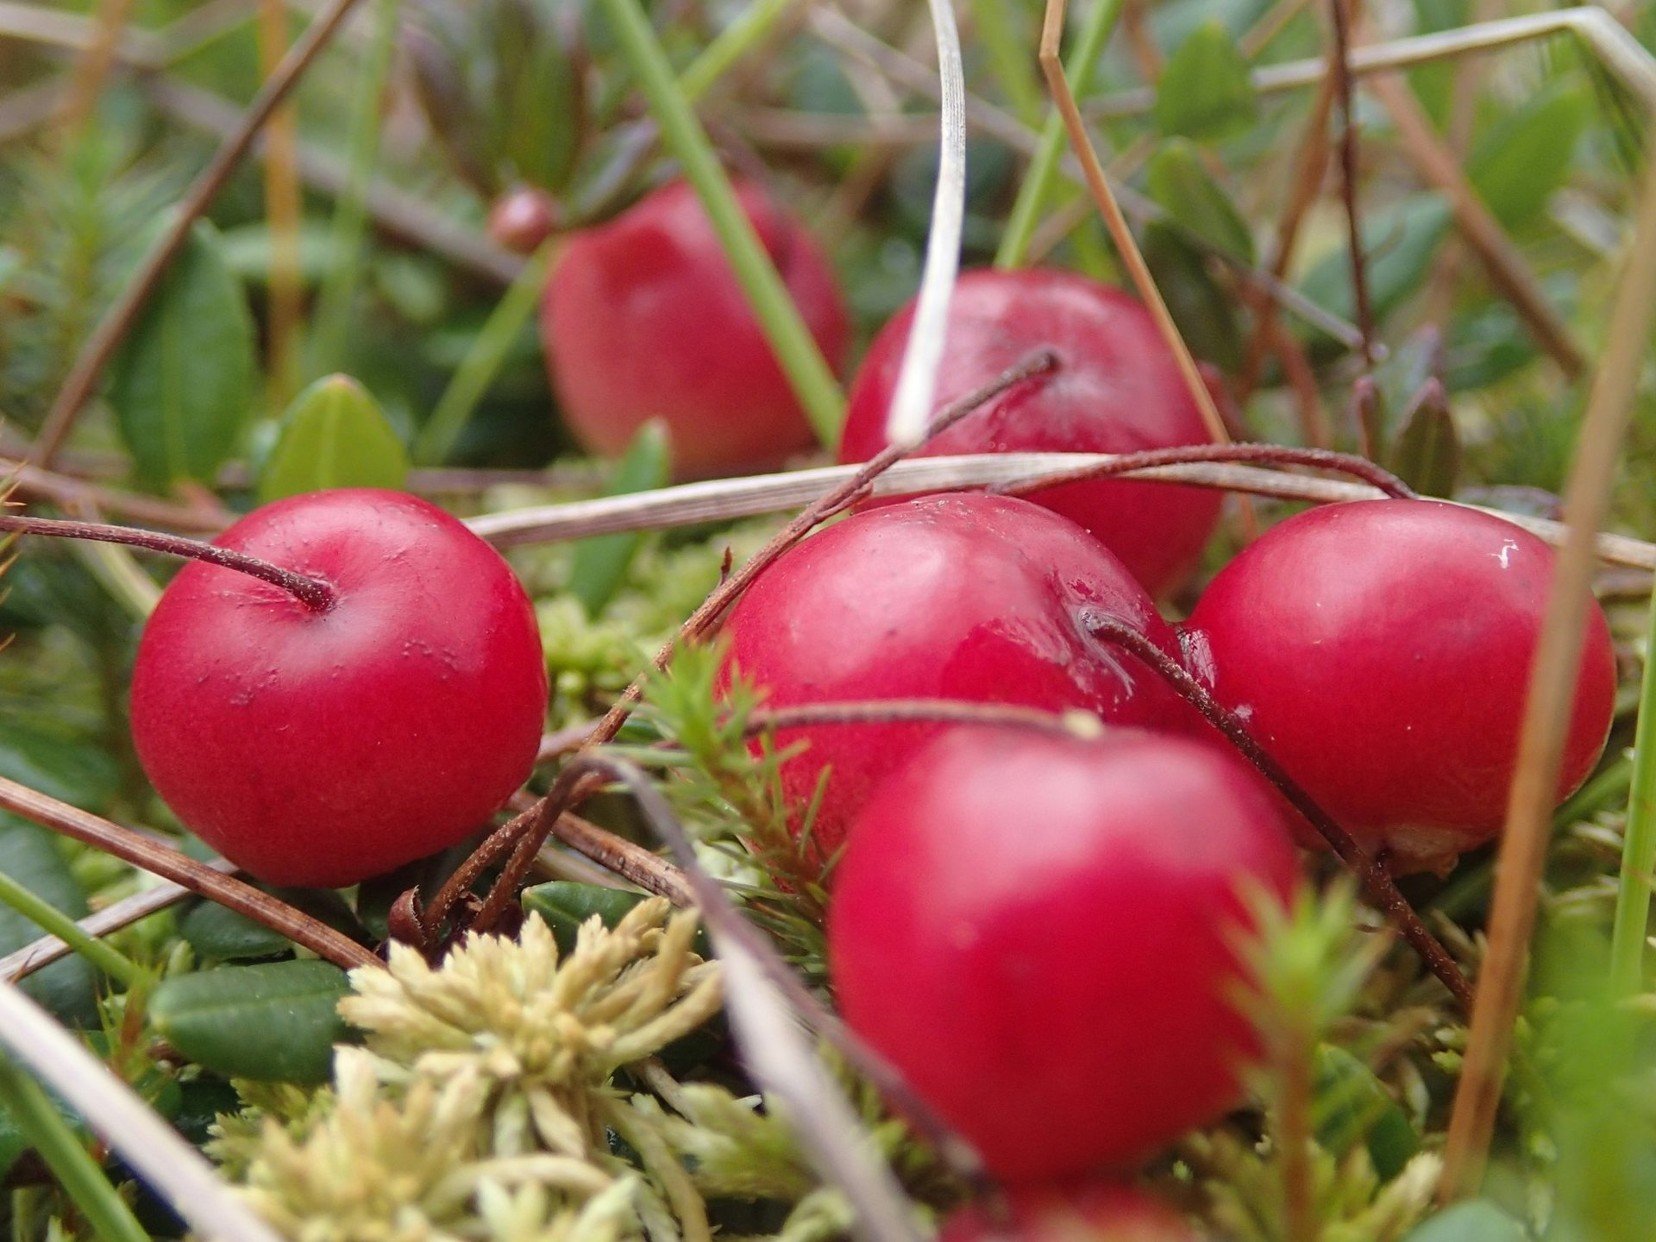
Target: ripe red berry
1116 390
1381 651
643 318
965 596
323 747
1038 932
1089 1212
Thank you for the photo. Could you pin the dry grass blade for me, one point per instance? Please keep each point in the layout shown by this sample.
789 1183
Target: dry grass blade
1613 44
48 949
1523 853
1052 65
148 854
100 346
769 1035
911 403
1507 270
725 499
113 1110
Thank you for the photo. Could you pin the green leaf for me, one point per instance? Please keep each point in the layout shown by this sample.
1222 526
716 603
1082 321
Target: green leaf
182 383
601 563
1353 1107
1476 1221
29 856
46 754
220 934
1192 199
1518 165
1205 91
1204 312
1399 243
1427 454
276 1022
333 435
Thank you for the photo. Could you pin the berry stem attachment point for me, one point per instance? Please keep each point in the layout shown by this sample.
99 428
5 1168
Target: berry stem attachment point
313 593
1376 881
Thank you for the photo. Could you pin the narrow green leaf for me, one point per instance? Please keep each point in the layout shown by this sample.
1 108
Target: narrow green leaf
333 435
1205 91
1518 165
601 563
1476 1221
182 383
565 905
1427 454
1182 188
276 1022
29 858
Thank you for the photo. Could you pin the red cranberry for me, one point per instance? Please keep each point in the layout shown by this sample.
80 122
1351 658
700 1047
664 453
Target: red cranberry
964 596
322 747
643 318
1381 651
1089 1212
1117 390
1039 932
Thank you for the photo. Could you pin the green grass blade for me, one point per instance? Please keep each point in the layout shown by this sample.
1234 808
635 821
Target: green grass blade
55 922
1627 939
76 1172
1043 169
809 373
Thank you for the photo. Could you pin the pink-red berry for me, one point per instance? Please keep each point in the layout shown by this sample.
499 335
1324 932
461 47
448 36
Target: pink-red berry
1085 1212
967 597
643 318
323 747
1040 933
1116 390
1381 651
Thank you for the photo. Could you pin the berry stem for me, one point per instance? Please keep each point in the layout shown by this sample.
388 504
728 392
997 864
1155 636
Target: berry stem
1269 454
1376 881
313 593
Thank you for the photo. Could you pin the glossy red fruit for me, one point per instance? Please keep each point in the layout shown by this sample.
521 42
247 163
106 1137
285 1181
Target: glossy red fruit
1089 1212
320 748
1038 932
1381 651
968 597
1117 390
643 318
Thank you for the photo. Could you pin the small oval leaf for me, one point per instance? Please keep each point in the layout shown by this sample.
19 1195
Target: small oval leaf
1427 454
1399 244
601 563
275 1022
1195 201
1353 1107
182 382
333 435
1528 155
1205 90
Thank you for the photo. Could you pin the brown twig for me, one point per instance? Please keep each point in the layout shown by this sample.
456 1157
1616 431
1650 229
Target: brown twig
1522 858
283 209
73 493
92 68
918 711
1349 175
1483 233
1270 454
100 346
39 954
1063 99
148 854
313 593
1376 881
